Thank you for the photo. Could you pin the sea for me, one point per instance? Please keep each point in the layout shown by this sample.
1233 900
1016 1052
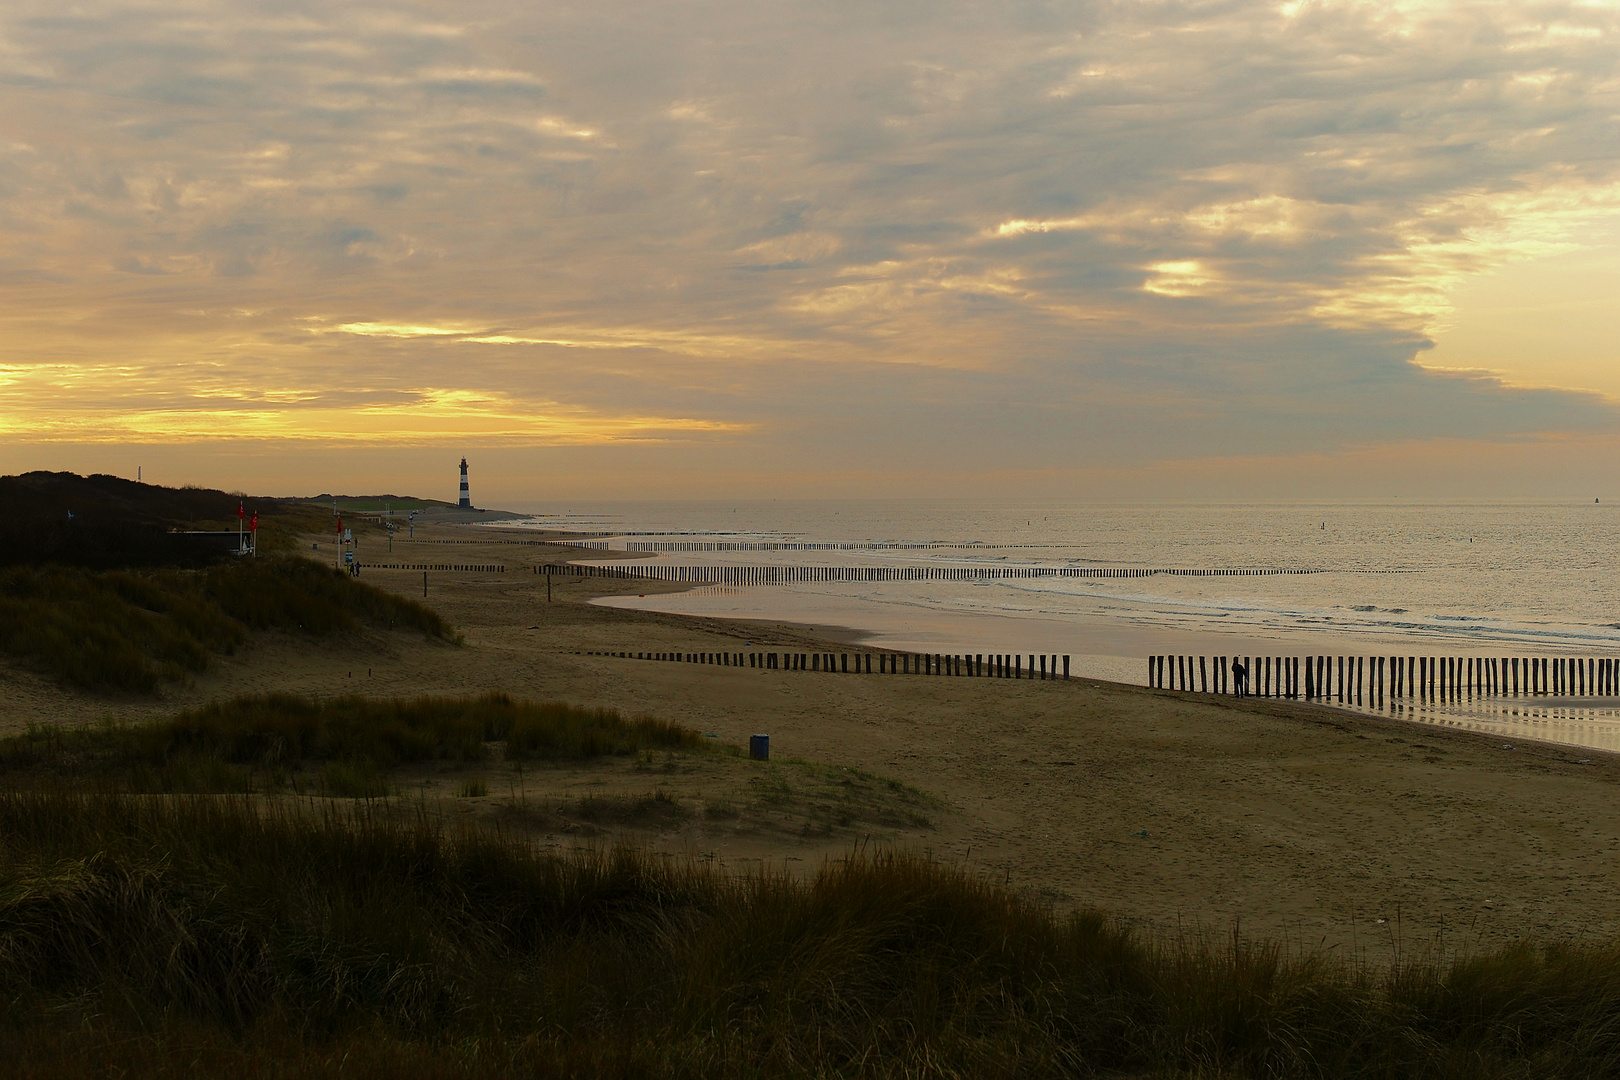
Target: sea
1391 578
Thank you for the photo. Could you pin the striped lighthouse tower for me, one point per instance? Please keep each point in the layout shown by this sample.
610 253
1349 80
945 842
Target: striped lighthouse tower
466 498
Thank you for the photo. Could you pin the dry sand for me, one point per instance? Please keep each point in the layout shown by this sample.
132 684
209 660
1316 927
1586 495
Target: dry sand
1174 811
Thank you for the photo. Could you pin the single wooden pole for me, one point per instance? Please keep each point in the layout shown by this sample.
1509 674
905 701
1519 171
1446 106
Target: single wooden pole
1065 667
424 586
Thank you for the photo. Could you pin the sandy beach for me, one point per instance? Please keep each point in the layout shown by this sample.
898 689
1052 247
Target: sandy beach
1176 812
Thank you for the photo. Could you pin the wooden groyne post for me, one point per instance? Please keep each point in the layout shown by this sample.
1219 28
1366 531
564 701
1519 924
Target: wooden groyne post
1376 680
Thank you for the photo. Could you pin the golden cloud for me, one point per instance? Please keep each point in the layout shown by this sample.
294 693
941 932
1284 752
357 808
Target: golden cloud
422 415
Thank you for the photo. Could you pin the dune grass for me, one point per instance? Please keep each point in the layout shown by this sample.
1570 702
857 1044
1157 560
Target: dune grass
208 936
339 746
129 630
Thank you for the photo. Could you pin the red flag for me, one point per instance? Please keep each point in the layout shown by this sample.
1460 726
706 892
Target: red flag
253 526
238 511
340 526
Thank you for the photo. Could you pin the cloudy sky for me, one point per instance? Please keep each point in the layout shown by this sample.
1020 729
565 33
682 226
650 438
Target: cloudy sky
835 248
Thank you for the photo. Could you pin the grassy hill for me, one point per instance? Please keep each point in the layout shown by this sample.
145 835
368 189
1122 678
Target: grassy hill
108 522
114 598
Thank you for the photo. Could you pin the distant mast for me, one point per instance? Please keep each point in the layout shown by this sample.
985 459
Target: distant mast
466 498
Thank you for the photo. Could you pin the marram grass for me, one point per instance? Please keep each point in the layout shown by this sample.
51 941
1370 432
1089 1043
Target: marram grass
267 743
209 936
132 630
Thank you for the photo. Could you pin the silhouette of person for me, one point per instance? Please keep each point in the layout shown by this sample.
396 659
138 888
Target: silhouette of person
1240 677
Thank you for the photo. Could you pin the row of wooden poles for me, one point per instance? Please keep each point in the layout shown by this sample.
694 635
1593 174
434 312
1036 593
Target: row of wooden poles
482 542
792 575
649 546
464 568
1354 678
787 545
985 665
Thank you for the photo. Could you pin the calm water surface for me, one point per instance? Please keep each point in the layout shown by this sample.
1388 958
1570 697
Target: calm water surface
1440 579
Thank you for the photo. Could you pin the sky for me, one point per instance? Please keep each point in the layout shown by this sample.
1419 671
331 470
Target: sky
758 249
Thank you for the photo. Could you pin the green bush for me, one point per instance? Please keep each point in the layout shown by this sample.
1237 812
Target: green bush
214 936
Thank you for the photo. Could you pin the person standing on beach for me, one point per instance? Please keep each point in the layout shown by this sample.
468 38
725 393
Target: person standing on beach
1240 678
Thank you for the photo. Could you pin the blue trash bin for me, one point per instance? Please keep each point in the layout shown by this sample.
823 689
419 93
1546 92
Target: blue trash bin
759 747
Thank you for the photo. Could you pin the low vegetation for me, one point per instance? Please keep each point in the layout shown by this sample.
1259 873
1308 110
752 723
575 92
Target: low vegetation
340 746
132 630
208 936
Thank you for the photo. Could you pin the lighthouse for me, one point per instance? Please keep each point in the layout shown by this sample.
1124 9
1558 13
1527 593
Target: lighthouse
466 498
